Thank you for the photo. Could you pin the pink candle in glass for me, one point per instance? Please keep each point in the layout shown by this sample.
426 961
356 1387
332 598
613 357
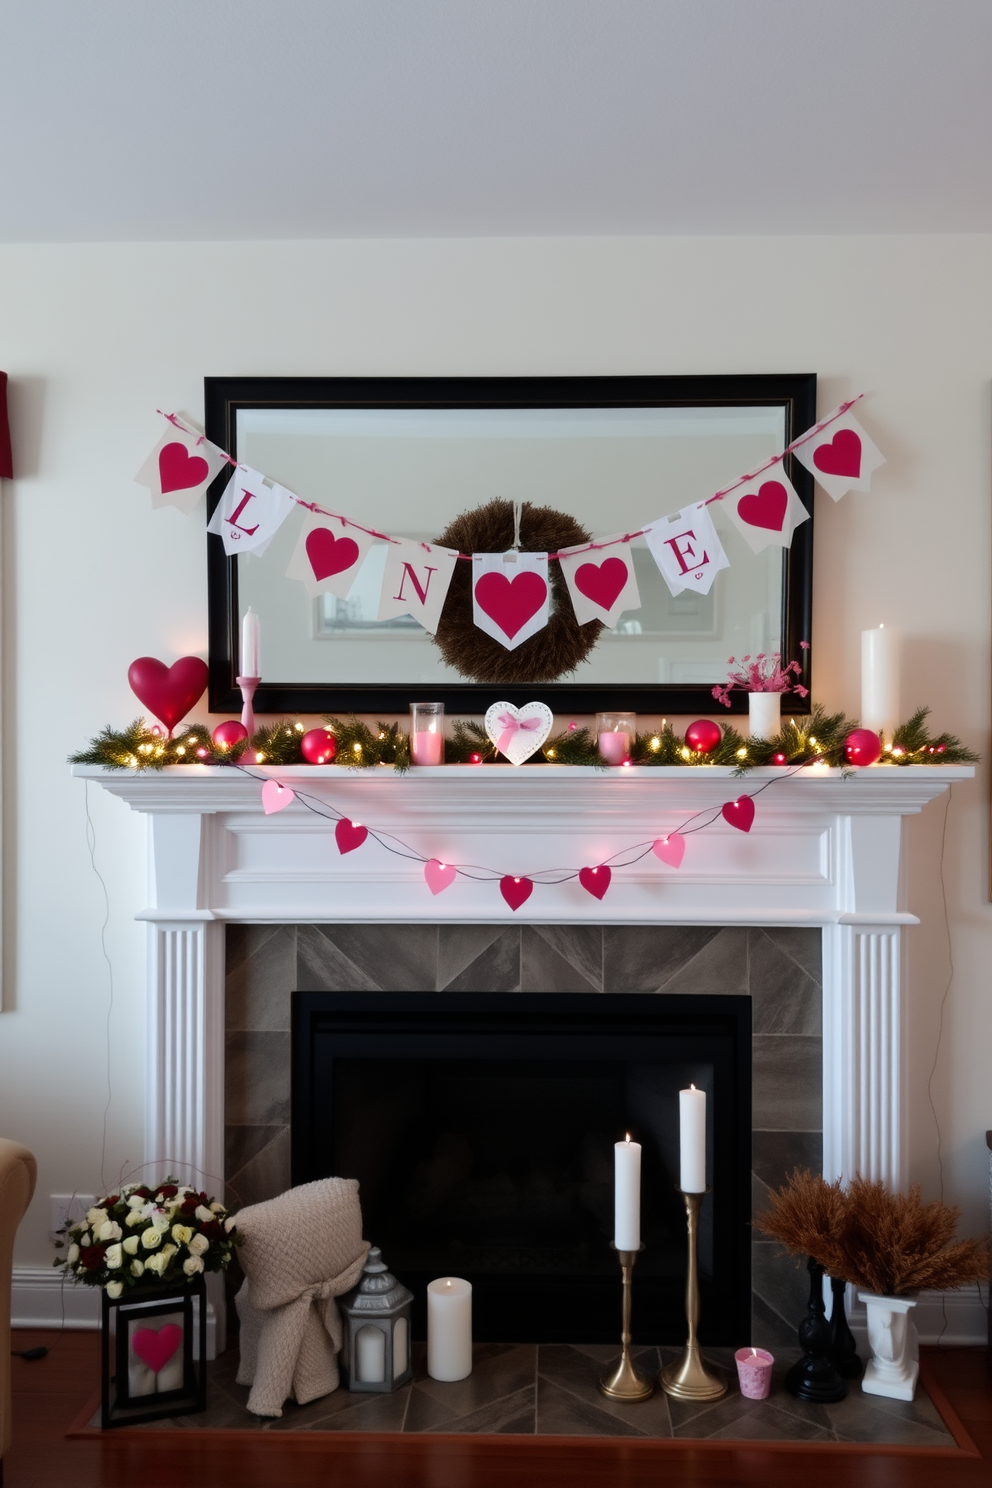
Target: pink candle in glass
754 1371
427 748
614 747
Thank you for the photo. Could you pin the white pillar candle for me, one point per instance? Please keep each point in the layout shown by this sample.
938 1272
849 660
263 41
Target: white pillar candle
250 636
880 679
627 1196
449 1328
370 1355
692 1140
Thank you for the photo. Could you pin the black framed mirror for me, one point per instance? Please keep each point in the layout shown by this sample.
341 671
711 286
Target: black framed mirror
407 455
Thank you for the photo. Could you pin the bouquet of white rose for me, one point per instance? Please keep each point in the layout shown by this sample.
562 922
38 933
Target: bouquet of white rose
144 1236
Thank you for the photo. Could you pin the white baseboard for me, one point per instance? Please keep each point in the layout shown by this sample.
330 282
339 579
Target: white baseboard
41 1298
955 1319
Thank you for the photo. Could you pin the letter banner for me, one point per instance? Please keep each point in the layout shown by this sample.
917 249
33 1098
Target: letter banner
601 584
687 549
841 456
510 595
766 510
416 581
180 468
250 513
328 555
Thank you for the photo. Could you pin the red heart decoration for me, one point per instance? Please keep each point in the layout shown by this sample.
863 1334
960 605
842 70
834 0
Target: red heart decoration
595 880
739 813
765 507
348 835
602 582
511 602
515 891
842 456
178 470
670 849
439 875
168 692
156 1348
329 554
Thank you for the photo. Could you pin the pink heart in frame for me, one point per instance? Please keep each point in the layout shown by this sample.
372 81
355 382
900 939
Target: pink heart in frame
328 554
439 875
511 602
765 507
840 456
670 849
515 891
596 881
739 813
603 583
156 1347
348 835
276 797
178 470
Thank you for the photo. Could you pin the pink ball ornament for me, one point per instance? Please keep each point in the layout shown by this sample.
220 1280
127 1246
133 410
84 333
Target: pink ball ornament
862 747
226 735
318 747
703 735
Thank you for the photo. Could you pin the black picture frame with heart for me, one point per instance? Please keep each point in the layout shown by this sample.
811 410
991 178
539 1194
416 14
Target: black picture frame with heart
794 393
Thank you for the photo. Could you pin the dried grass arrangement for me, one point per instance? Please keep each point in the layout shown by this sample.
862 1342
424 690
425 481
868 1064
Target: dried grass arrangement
886 1243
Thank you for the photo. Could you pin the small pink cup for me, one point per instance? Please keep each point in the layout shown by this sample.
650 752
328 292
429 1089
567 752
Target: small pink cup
754 1370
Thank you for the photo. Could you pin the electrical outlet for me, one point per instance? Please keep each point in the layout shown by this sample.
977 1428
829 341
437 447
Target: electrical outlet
67 1209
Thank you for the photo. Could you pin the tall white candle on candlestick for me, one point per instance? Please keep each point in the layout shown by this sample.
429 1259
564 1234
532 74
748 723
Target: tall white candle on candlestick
880 679
449 1328
627 1196
250 636
692 1140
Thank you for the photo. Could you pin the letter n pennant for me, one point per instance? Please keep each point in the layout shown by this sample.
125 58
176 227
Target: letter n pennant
416 581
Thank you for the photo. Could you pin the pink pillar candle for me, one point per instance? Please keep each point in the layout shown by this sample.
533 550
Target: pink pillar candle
754 1371
614 747
427 749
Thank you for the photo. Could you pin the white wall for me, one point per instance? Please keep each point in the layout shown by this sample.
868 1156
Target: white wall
96 337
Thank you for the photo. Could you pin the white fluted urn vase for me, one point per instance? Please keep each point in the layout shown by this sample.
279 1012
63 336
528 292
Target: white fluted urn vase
895 1349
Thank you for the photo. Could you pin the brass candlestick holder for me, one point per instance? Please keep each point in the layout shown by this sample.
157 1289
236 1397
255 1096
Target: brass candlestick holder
689 1378
626 1383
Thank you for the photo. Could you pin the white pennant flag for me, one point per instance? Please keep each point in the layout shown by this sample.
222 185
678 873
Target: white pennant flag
841 456
686 549
766 510
250 512
180 468
328 555
415 581
510 595
601 584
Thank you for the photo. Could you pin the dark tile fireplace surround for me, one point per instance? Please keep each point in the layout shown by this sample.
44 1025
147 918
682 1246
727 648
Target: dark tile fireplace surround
779 969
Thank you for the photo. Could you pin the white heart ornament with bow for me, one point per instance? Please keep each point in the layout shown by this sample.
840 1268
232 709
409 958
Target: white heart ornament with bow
519 732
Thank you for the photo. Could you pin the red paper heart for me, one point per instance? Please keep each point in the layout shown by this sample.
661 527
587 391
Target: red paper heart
438 875
156 1348
348 835
595 880
511 602
765 507
739 813
178 470
329 554
168 692
670 849
602 582
842 456
515 891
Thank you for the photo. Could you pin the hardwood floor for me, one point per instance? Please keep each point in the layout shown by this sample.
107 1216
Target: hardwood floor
49 1395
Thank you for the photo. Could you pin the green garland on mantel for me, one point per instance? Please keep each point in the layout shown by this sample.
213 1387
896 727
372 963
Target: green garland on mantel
820 738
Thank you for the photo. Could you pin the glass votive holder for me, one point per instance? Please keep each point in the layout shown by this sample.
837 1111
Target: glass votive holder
615 735
427 733
754 1371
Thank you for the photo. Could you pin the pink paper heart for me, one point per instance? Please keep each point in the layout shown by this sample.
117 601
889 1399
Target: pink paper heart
329 554
438 875
602 582
670 849
178 470
168 692
511 602
348 835
595 881
515 891
739 813
765 507
842 456
276 797
156 1347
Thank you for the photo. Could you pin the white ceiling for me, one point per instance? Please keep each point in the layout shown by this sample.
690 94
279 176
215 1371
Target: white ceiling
224 119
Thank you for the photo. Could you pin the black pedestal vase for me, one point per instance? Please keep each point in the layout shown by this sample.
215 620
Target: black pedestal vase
843 1346
814 1377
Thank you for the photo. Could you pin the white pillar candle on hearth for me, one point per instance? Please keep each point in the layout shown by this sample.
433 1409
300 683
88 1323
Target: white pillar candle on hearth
692 1140
370 1355
249 660
627 1195
449 1328
880 679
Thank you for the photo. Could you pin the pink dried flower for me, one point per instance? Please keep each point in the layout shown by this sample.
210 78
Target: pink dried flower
761 674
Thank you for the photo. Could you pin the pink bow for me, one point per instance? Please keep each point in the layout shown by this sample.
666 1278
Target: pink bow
509 724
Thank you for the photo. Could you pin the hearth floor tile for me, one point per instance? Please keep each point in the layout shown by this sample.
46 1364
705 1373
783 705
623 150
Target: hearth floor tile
511 1415
560 1413
569 1394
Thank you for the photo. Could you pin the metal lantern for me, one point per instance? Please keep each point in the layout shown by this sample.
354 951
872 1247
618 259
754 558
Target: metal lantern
376 1355
154 1353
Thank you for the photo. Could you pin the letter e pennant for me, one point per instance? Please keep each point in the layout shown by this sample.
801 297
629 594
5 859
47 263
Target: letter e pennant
687 549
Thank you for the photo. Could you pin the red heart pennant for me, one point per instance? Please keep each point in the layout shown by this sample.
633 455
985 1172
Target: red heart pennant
765 507
595 881
739 813
515 891
511 602
168 692
438 875
156 1348
670 849
842 456
348 835
178 470
602 582
329 554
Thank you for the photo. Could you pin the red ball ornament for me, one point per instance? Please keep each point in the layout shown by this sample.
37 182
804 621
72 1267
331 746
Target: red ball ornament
703 735
862 747
318 747
226 735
